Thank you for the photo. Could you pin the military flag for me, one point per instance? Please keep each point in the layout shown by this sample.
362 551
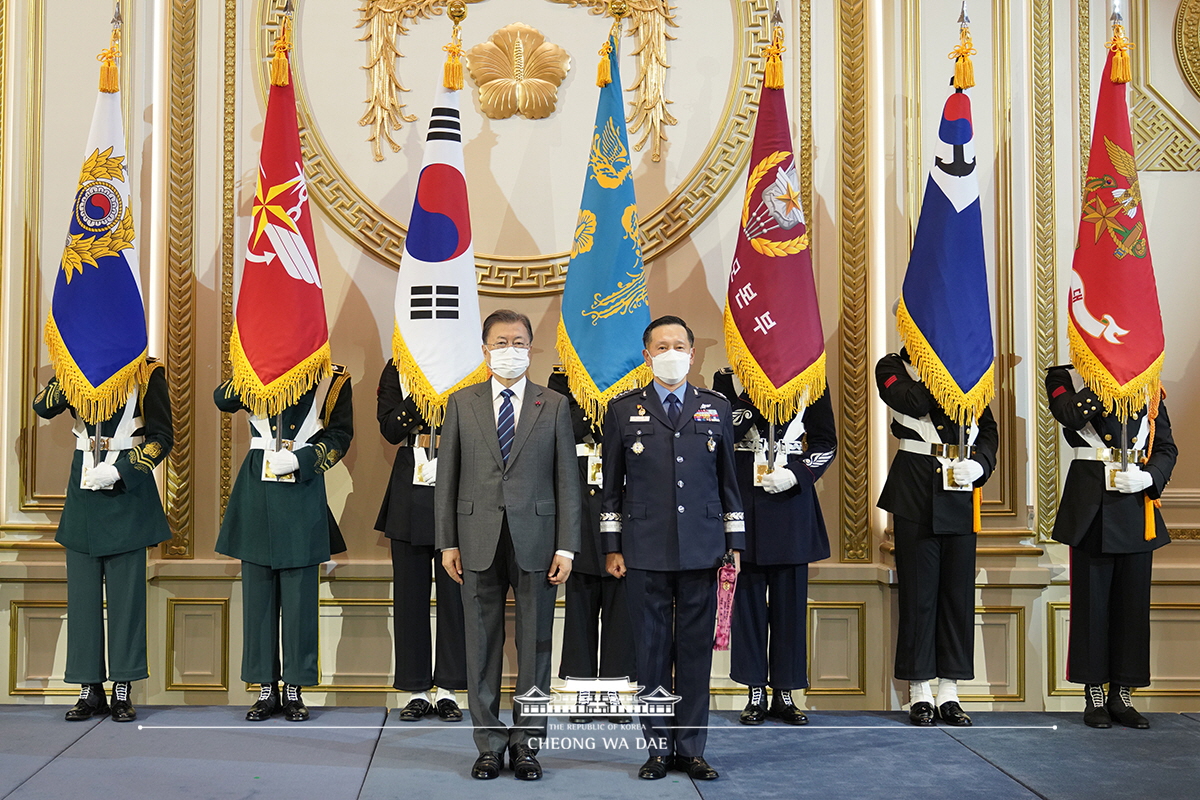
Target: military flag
773 334
96 330
280 341
1114 324
604 305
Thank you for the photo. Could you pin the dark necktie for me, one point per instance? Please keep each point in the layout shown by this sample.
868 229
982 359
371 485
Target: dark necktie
673 409
506 425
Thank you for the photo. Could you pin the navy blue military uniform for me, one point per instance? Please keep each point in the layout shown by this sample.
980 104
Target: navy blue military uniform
934 533
1111 559
785 532
406 519
671 507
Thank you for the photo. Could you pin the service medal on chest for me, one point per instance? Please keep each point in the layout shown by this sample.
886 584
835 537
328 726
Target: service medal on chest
712 446
638 447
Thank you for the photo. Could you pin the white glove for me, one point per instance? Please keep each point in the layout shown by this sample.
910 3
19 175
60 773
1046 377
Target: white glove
966 471
103 476
779 480
282 462
1132 480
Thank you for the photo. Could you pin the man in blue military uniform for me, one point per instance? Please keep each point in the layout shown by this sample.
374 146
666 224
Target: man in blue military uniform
785 532
671 512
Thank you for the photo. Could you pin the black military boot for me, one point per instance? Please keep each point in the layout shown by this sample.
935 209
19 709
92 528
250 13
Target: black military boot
1120 708
294 709
122 708
90 703
1095 714
755 712
267 705
783 709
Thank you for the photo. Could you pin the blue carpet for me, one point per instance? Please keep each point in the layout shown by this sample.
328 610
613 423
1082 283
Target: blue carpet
860 754
1076 761
222 757
32 737
433 759
1192 717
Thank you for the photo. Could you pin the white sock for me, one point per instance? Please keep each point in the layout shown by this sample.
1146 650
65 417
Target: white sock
419 696
446 694
947 691
919 692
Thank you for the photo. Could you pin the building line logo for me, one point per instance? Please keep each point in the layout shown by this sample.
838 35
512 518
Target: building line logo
597 697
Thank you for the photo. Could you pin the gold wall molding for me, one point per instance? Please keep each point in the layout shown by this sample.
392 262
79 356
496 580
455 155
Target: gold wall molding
381 235
228 231
860 611
15 615
853 55
221 643
1018 613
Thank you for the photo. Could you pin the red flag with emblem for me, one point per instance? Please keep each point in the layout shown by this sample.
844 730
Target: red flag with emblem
773 334
1115 325
280 342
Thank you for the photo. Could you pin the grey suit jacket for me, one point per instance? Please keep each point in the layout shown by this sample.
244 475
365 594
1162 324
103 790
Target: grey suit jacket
538 488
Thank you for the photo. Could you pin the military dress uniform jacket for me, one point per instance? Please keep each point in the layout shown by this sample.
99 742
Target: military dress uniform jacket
1084 498
590 558
914 484
129 515
407 510
288 525
786 528
671 499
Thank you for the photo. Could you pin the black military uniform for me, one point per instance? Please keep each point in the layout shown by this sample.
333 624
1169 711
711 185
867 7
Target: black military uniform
934 532
406 518
105 534
671 507
1111 559
283 532
785 532
591 593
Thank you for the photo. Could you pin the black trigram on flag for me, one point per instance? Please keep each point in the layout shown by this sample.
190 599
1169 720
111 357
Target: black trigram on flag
444 125
434 302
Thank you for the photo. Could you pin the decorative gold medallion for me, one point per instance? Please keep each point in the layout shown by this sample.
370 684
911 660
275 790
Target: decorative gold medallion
638 447
518 72
712 446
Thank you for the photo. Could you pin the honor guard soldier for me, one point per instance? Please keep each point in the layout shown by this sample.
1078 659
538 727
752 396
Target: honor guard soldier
785 532
112 513
406 518
1108 517
592 594
929 493
280 526
671 513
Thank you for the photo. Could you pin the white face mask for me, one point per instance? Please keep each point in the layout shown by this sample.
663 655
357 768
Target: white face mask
509 362
671 367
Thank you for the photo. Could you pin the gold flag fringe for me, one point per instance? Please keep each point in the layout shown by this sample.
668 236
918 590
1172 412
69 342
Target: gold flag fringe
964 68
963 407
1121 399
430 402
591 399
1120 46
93 404
267 400
279 62
777 404
110 74
773 71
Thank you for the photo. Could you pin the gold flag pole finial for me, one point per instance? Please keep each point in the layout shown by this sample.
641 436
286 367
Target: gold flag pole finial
280 72
110 73
619 10
1120 46
964 68
452 72
773 72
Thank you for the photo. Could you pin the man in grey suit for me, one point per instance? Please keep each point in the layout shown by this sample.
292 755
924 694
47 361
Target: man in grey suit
506 511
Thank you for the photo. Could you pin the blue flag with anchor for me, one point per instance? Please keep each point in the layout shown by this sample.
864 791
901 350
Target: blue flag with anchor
604 306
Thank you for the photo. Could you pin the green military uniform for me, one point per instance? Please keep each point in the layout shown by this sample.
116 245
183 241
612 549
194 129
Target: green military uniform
106 534
282 532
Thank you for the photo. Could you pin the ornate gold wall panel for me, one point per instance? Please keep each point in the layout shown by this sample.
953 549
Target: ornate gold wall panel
228 214
184 652
853 646
1013 652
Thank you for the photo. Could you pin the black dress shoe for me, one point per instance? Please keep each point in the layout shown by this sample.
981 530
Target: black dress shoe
1120 708
122 708
416 709
784 710
580 720
655 768
921 714
524 762
447 711
90 703
696 768
755 712
1095 714
267 705
951 713
620 720
487 766
293 709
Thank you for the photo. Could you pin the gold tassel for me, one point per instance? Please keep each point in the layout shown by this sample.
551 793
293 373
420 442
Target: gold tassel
964 68
280 74
1151 528
1120 47
110 74
452 72
773 71
977 508
604 70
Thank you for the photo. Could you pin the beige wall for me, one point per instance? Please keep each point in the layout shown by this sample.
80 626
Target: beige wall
866 81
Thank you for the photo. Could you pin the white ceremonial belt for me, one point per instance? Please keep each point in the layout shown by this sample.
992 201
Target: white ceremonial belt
938 450
425 440
1109 454
761 447
259 443
589 450
109 443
